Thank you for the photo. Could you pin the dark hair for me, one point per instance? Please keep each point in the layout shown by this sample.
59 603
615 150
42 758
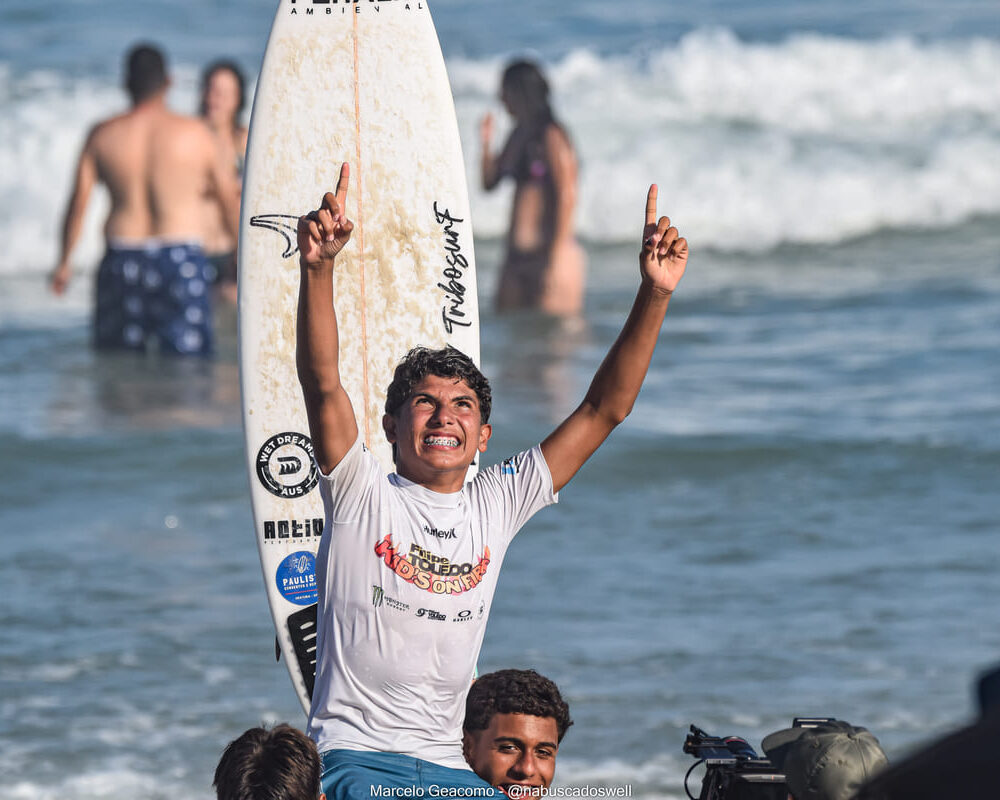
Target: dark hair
527 90
145 72
514 691
448 362
224 65
277 764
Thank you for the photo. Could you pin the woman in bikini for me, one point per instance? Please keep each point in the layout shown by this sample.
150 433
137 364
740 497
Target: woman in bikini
544 267
223 96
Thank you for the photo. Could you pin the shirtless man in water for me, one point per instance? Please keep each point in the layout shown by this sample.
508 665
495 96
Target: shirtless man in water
153 282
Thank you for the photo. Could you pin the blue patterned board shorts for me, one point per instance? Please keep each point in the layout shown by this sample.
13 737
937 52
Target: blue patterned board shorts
156 294
356 775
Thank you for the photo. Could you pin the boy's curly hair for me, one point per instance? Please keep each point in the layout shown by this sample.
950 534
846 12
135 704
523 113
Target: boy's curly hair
448 362
514 691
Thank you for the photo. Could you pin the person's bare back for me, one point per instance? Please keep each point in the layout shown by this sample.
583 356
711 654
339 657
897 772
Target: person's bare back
155 164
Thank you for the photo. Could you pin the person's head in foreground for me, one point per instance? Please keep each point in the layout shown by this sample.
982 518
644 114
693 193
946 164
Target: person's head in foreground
827 762
514 722
145 72
277 764
437 412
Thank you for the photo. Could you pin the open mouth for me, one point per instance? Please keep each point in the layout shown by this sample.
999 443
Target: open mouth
441 441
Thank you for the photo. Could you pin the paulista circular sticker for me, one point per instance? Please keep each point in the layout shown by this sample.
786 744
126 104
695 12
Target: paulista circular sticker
296 578
285 465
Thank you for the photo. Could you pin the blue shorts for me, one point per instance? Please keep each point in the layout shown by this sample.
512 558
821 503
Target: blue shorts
155 294
357 775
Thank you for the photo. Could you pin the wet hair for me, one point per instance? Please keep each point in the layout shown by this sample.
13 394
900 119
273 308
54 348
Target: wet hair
277 764
514 691
145 72
527 90
448 362
224 65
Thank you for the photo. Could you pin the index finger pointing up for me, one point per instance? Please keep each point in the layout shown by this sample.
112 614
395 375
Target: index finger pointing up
345 176
651 205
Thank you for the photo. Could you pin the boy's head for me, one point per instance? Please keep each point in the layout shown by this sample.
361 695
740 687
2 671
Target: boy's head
448 362
514 722
277 764
437 408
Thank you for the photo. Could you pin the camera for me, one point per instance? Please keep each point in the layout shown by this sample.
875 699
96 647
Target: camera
734 771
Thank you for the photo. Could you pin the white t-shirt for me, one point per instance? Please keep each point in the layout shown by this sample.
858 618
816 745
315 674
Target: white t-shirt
406 578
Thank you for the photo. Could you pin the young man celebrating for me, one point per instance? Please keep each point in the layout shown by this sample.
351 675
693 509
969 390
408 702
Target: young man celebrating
387 709
515 720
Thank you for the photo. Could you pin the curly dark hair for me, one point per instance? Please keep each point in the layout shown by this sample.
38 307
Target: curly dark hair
277 764
448 362
514 691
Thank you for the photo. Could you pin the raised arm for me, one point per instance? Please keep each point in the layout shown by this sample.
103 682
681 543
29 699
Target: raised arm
616 385
83 185
322 234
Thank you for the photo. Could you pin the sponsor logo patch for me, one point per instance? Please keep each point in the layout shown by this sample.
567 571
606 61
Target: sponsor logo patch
312 8
285 465
296 578
280 529
430 572
380 598
512 465
440 534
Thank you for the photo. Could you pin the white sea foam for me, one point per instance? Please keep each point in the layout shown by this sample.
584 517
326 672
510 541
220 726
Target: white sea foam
102 784
812 139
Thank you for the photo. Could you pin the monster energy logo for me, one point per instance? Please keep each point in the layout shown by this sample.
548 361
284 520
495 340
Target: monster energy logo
377 596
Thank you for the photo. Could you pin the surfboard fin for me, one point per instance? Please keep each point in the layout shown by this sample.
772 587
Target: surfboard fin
277 649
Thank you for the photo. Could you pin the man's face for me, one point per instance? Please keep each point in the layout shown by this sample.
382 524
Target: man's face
437 432
516 753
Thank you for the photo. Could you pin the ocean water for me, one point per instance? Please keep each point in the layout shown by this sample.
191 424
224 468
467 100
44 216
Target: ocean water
799 517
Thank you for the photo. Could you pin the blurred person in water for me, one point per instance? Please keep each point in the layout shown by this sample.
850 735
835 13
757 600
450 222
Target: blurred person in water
544 266
223 98
153 282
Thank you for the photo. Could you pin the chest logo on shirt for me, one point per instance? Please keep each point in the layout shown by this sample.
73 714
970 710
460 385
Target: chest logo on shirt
430 572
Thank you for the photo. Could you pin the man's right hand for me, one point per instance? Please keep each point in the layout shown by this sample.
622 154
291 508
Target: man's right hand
324 233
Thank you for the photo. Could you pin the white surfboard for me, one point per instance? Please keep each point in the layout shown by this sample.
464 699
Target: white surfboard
362 82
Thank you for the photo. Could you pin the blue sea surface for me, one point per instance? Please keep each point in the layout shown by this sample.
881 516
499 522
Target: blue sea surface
798 518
